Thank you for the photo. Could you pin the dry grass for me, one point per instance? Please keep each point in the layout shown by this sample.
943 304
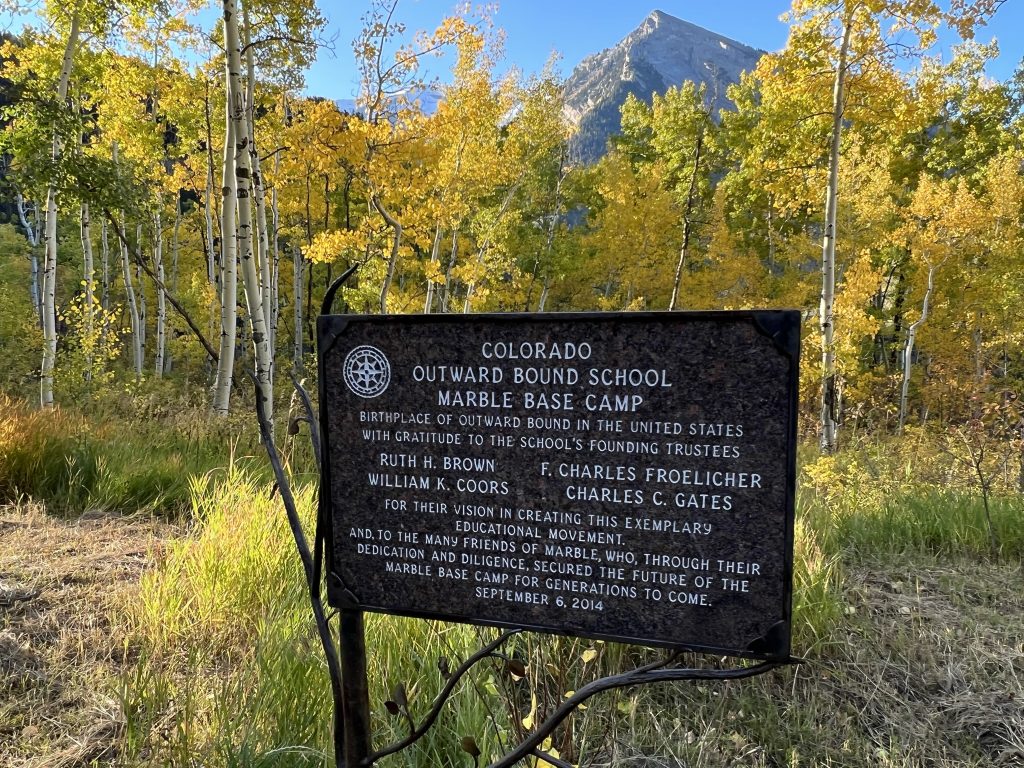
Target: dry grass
59 647
935 662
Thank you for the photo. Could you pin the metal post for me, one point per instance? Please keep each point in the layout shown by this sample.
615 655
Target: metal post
355 689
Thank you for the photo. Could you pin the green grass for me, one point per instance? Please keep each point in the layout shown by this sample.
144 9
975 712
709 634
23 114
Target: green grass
224 627
230 600
140 464
948 523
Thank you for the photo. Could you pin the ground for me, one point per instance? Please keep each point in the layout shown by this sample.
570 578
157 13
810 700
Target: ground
60 649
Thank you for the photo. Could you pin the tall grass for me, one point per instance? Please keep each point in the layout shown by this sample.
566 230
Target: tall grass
45 453
230 601
933 522
231 673
72 464
896 498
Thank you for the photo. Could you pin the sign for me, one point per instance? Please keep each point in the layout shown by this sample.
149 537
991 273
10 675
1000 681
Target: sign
620 476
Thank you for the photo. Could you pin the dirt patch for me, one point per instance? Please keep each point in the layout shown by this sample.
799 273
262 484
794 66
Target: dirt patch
60 583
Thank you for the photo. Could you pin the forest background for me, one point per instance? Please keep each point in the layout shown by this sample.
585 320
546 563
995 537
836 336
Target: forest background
173 210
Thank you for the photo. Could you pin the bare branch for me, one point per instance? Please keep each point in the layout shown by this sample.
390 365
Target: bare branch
652 673
141 262
272 39
488 651
309 565
548 758
310 419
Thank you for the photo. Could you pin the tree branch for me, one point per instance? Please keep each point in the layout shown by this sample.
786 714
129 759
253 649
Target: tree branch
272 39
548 758
210 351
310 566
652 673
488 651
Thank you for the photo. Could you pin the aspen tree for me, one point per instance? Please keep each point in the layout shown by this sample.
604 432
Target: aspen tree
243 192
161 301
826 319
33 243
212 262
261 250
88 278
49 282
465 130
129 291
870 35
275 287
391 117
141 293
104 268
675 140
530 141
229 273
908 347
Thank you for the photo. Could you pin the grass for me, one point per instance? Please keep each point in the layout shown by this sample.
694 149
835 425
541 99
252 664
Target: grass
229 600
62 640
143 461
950 523
911 624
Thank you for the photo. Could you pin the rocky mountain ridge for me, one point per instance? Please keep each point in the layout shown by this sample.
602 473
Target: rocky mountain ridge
663 51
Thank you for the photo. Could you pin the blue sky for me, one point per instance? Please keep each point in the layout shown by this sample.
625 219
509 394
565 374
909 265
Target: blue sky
577 28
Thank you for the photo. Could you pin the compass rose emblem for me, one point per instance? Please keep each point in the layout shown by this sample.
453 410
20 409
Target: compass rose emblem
367 371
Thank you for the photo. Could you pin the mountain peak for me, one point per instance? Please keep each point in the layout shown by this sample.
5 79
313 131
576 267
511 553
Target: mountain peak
661 52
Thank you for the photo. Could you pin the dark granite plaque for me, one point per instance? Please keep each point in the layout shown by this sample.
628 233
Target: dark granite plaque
620 476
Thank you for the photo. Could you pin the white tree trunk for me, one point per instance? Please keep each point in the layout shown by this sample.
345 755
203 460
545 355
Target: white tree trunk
175 253
211 266
161 300
141 294
130 299
243 179
396 243
908 347
544 295
275 278
229 277
133 309
826 319
297 274
435 254
88 281
33 255
446 298
49 292
104 267
485 246
549 240
262 242
687 218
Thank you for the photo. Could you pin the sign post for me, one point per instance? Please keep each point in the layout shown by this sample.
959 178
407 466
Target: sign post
621 476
